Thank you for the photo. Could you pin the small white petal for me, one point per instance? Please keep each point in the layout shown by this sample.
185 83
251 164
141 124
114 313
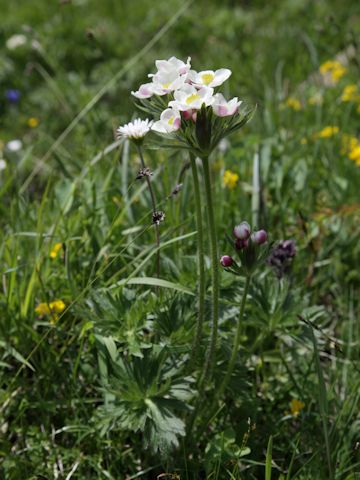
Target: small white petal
170 121
222 108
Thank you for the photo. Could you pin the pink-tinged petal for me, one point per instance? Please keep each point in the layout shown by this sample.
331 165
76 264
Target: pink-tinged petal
177 123
222 111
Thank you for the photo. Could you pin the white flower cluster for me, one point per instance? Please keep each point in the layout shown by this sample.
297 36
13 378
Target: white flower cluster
189 90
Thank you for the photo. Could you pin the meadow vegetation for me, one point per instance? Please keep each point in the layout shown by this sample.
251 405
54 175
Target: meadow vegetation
113 361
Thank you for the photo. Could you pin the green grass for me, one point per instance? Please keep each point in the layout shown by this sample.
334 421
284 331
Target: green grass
74 395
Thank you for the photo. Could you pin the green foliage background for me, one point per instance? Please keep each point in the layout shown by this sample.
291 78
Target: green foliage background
96 394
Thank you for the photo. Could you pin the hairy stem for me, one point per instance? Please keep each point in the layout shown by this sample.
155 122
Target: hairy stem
210 359
201 263
153 202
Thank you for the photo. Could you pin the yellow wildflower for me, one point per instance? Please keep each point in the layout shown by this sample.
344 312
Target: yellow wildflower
33 122
350 93
327 132
354 154
334 69
293 103
303 141
55 250
296 406
57 306
348 143
230 179
42 309
52 309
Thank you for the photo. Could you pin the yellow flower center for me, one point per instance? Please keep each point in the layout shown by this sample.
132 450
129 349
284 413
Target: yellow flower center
192 98
166 85
171 121
207 78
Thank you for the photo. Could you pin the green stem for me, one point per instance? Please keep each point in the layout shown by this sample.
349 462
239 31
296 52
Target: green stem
210 360
236 343
234 354
201 263
153 202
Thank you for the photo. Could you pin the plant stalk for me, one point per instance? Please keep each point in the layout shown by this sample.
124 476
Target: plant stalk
236 343
210 360
153 202
234 352
201 264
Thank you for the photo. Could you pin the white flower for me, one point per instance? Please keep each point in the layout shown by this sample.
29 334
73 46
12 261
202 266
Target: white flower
222 108
145 91
134 130
165 82
16 41
170 121
209 78
14 145
2 164
172 65
188 97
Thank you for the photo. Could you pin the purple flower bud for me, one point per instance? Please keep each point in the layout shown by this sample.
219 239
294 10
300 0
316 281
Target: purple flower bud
12 96
226 261
242 231
240 244
259 237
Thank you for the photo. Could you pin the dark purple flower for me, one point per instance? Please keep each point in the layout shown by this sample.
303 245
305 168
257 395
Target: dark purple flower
12 96
281 257
226 261
259 237
242 231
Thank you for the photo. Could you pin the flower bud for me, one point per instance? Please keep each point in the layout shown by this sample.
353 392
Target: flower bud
242 231
226 261
259 237
187 114
240 243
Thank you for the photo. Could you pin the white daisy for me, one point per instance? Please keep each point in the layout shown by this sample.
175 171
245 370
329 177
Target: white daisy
222 108
188 97
209 78
135 130
170 121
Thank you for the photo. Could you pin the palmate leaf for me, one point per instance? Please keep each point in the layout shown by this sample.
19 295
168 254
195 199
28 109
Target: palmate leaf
147 392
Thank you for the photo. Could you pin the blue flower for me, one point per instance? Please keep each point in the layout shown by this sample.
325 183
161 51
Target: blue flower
13 96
